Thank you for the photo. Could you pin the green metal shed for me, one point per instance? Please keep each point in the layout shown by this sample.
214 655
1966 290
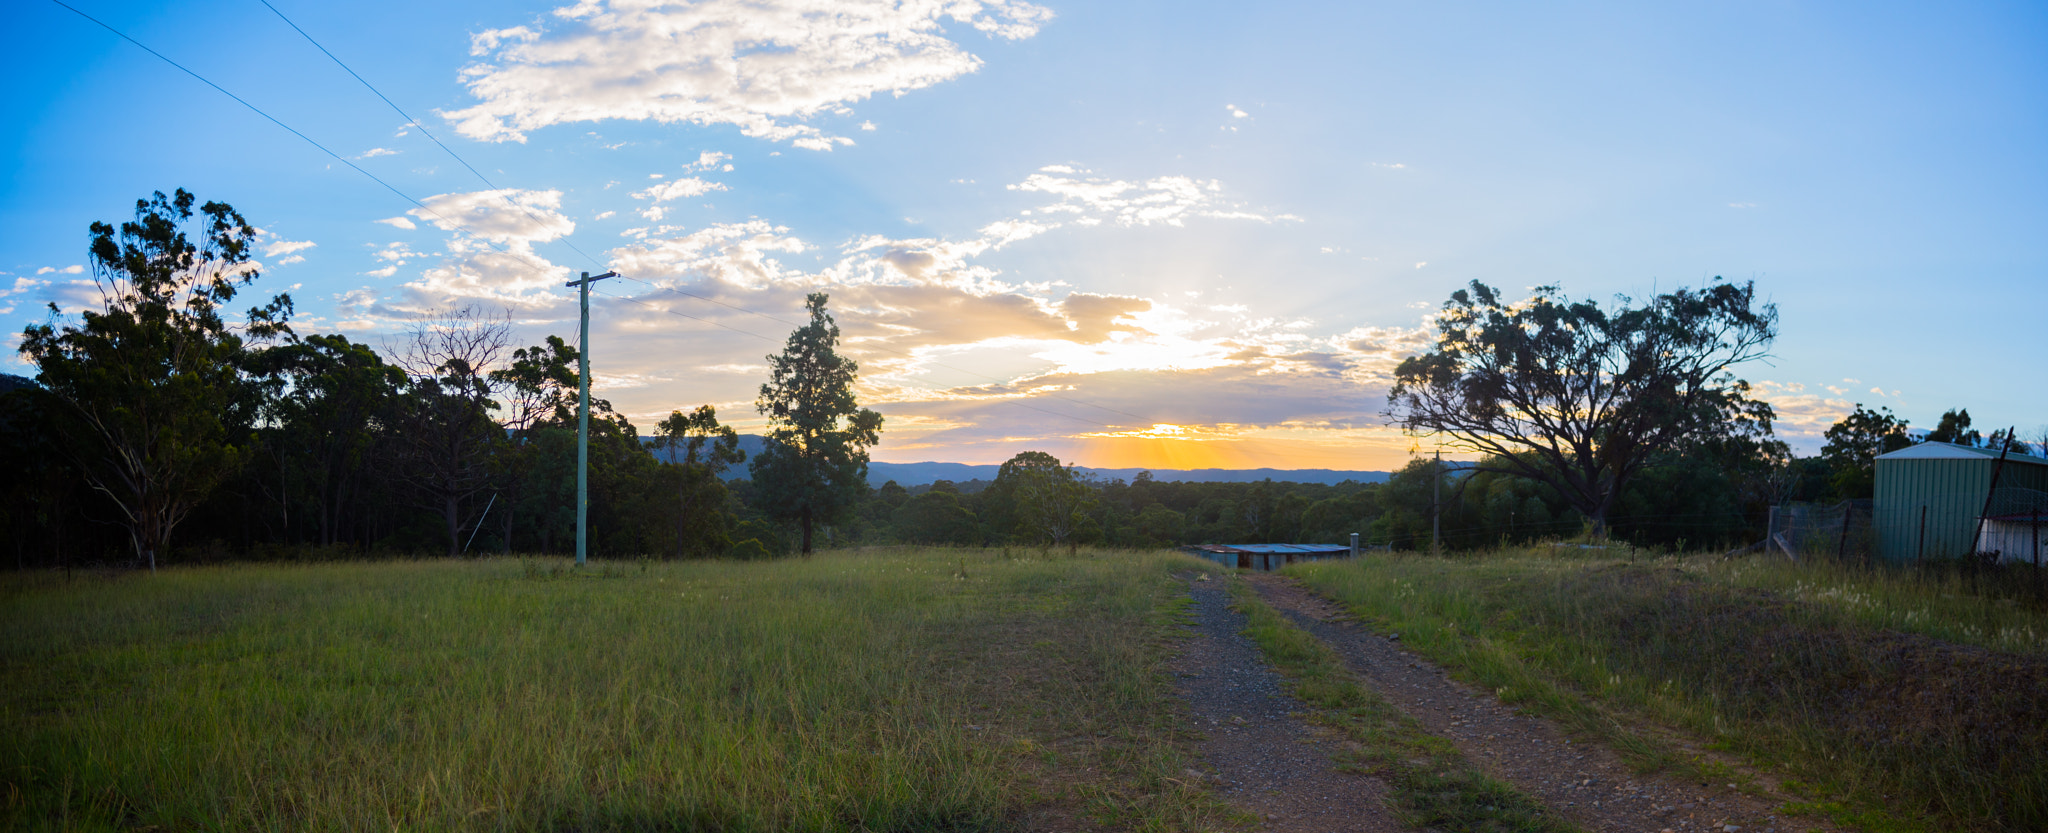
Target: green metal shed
1930 495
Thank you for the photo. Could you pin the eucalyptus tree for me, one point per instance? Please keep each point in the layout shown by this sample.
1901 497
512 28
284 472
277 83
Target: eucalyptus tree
1051 503
1583 397
699 449
814 467
446 430
153 378
329 410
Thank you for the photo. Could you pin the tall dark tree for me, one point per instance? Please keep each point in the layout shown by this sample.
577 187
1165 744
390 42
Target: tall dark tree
1583 397
814 467
1854 444
1052 504
699 449
539 392
154 377
329 408
446 427
1954 427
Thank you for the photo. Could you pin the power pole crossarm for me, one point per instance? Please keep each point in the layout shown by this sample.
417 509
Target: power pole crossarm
582 287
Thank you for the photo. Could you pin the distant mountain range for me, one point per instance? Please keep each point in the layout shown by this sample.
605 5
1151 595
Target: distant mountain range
919 474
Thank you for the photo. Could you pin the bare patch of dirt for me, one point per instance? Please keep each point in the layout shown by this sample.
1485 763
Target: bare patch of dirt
1588 783
1257 752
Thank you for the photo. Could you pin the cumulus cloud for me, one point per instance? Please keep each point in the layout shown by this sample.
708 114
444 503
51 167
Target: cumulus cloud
765 66
73 269
398 222
286 247
376 152
506 215
679 189
1170 200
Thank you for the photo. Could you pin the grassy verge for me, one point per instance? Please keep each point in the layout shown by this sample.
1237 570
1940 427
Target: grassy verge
1433 785
890 690
1913 713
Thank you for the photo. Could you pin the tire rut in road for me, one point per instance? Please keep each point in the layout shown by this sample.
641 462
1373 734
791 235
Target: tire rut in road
1587 783
1260 755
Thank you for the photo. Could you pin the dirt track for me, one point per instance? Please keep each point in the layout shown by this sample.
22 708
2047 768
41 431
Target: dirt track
1267 759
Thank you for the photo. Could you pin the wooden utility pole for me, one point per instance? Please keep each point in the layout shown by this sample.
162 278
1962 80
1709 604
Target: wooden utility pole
583 414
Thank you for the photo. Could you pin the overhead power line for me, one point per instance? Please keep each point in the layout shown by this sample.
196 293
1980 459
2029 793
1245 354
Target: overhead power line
457 227
420 126
451 224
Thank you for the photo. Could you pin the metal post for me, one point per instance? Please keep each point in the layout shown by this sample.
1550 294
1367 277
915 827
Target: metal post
583 414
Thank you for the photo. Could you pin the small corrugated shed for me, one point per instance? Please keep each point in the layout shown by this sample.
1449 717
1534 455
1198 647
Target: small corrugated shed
1929 497
1268 556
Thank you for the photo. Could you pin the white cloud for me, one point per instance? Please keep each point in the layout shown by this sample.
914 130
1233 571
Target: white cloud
385 272
285 247
1421 264
653 213
376 152
398 222
708 160
604 215
1742 205
291 260
1167 199
73 269
1236 113
763 66
504 216
688 186
867 125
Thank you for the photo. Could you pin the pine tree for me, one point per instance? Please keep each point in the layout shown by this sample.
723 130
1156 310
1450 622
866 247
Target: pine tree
814 468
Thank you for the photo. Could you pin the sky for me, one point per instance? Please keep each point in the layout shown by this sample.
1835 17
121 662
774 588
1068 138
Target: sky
1160 234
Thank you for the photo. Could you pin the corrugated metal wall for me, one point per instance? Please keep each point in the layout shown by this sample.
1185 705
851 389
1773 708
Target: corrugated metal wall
1948 493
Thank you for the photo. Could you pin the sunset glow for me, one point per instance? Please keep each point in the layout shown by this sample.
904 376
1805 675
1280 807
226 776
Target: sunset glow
1068 227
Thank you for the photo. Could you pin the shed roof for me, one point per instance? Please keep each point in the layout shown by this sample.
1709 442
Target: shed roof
1951 451
1275 548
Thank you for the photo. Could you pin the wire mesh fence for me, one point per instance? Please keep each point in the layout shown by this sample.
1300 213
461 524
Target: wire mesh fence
1842 531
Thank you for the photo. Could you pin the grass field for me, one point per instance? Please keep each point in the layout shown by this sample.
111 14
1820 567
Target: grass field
875 690
1890 701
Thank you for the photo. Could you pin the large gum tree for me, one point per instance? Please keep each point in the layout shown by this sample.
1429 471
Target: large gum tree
1583 397
154 379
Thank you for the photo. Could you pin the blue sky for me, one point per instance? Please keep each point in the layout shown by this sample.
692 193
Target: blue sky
1158 234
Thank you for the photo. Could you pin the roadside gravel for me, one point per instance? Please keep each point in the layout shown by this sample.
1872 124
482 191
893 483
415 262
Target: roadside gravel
1257 753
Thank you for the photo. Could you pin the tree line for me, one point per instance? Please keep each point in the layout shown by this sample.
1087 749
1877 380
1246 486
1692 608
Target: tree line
154 424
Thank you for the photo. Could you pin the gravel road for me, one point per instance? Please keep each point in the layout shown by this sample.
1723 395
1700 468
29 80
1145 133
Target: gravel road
1588 783
1257 754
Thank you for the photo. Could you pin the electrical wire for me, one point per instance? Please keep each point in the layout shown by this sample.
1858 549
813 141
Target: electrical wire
457 227
416 124
530 215
450 224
